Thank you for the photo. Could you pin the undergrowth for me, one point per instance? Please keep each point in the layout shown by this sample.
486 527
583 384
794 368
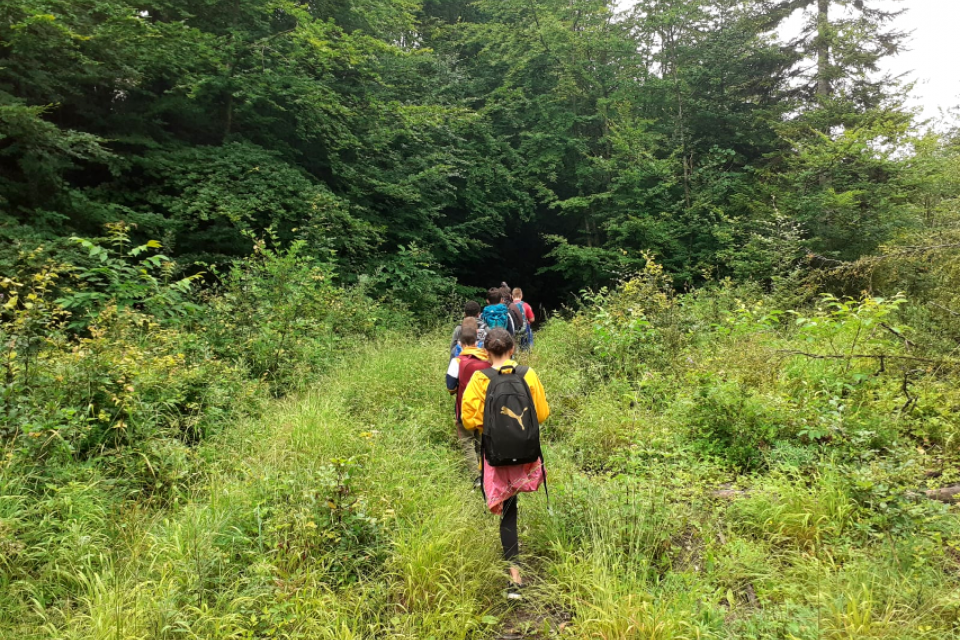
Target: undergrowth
720 467
724 468
341 515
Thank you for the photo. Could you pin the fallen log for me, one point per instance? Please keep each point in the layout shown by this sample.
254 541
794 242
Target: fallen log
943 494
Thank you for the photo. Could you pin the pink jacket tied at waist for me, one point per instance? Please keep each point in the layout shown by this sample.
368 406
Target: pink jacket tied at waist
502 483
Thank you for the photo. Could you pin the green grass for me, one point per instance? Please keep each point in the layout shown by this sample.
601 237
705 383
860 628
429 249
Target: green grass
252 552
344 513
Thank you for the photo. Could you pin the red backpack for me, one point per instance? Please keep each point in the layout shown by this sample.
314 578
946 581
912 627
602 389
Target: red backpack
469 364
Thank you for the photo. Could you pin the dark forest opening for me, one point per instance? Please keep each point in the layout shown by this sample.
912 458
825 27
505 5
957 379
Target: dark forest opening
518 259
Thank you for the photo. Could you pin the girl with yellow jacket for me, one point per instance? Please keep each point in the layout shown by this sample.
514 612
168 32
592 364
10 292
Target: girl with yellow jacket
502 484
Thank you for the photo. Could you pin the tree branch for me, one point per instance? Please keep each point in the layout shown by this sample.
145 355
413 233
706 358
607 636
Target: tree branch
873 356
943 494
943 308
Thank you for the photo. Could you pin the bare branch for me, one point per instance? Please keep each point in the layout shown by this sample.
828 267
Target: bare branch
873 356
943 308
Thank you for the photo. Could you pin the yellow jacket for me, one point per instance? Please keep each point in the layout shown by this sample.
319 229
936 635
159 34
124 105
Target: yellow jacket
475 396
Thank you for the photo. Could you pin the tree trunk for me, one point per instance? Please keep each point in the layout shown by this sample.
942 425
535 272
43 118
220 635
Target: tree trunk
823 48
228 117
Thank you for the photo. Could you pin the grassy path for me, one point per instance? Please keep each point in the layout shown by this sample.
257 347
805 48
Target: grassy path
345 514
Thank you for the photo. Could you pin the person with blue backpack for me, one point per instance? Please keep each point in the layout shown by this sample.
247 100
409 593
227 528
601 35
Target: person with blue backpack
496 315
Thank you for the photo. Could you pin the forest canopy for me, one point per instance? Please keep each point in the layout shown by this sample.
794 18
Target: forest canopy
551 141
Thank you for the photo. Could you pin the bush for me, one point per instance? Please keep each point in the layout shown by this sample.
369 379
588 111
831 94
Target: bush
130 382
115 360
412 279
636 326
127 277
732 423
280 315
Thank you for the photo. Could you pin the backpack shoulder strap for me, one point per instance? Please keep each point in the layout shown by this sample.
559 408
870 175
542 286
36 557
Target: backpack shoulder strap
521 371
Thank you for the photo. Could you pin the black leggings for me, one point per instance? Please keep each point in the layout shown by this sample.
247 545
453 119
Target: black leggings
508 529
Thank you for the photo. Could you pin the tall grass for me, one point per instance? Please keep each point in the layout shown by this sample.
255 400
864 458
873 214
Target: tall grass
344 513
635 546
261 549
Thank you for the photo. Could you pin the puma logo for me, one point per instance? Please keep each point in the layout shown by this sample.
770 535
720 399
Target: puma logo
519 418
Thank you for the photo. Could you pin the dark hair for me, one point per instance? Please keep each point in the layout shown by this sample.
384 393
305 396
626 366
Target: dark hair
471 309
505 296
498 342
468 332
493 296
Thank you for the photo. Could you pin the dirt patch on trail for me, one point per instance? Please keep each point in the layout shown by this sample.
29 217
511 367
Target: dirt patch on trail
686 550
527 621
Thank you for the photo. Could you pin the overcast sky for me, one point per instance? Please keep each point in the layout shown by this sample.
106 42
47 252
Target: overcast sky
932 60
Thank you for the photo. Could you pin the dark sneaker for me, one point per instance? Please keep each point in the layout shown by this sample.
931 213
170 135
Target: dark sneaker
478 482
514 591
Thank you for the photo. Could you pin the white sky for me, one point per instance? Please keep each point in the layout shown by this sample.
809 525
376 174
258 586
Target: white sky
932 60
934 28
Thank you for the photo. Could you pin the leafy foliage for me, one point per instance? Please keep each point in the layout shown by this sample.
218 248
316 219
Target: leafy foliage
120 275
542 141
750 458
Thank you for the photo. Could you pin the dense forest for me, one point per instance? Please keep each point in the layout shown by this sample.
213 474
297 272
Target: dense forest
235 236
551 142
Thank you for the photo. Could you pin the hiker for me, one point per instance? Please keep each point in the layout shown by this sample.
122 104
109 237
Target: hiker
459 373
496 314
526 328
470 310
516 315
512 461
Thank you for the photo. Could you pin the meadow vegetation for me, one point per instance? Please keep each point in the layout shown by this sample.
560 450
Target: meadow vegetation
225 417
274 457
733 468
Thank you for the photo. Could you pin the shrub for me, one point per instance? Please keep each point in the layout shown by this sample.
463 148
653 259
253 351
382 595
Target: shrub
412 279
127 277
328 522
129 382
113 360
636 325
280 314
732 423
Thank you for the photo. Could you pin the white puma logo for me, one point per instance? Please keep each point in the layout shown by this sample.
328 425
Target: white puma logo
519 418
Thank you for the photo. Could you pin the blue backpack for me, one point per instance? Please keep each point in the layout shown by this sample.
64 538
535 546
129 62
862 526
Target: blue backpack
496 316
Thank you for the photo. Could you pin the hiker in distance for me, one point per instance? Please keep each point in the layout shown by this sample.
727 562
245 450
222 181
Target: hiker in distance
459 373
470 310
507 403
496 314
516 313
526 326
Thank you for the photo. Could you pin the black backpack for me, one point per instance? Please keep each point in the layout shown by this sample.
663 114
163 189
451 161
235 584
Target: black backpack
511 431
